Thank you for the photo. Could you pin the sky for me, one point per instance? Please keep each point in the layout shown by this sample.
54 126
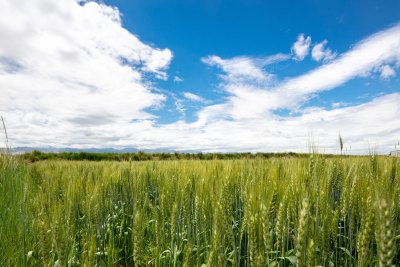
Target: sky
211 76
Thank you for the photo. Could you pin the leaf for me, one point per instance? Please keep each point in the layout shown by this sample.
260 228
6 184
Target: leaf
292 259
290 252
273 252
165 251
343 236
347 252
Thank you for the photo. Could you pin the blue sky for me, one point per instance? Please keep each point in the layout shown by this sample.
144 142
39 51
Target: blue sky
196 29
201 75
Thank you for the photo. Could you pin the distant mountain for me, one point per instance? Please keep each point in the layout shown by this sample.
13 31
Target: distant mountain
21 150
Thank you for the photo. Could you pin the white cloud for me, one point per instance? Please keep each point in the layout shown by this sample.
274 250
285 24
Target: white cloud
339 104
66 67
301 47
179 106
177 79
375 122
193 97
376 50
237 68
387 72
86 86
320 53
245 68
251 103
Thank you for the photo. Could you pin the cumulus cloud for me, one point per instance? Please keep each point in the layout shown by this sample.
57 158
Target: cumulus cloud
65 64
319 52
301 47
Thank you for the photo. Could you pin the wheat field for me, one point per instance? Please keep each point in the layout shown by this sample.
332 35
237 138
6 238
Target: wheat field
314 211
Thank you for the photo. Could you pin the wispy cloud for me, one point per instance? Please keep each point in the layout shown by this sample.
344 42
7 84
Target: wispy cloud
179 106
387 72
256 103
178 79
193 97
372 52
245 68
237 68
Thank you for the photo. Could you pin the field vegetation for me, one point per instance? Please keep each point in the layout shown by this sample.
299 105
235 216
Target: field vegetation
302 211
143 156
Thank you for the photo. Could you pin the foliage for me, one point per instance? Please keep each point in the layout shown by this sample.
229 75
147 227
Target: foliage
305 211
142 156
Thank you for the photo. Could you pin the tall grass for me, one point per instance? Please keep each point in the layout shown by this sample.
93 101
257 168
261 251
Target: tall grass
302 212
